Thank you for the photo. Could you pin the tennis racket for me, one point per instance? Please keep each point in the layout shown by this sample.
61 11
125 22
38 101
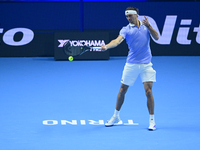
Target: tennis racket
77 50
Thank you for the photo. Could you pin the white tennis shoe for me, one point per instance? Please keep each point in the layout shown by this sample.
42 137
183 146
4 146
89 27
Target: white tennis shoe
115 120
152 125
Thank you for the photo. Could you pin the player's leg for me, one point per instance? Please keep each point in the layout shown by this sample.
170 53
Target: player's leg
149 94
150 104
148 76
130 74
121 96
115 119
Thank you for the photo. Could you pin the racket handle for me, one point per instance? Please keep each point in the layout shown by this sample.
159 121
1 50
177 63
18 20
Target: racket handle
96 48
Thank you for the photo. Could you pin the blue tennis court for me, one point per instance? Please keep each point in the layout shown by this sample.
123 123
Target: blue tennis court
62 105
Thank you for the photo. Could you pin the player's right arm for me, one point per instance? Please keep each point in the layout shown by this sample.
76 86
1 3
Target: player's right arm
113 43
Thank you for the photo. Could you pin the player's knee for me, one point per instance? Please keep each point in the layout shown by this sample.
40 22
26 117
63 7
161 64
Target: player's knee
122 91
148 92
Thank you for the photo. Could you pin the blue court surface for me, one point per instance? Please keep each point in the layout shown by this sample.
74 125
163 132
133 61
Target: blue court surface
62 105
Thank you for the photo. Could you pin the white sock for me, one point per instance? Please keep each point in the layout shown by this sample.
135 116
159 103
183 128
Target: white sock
116 113
152 117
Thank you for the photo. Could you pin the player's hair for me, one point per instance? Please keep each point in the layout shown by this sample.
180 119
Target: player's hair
133 8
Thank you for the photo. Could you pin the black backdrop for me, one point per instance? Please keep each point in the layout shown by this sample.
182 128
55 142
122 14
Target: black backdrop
46 19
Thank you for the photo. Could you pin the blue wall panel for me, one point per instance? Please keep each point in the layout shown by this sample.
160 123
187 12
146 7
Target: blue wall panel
40 15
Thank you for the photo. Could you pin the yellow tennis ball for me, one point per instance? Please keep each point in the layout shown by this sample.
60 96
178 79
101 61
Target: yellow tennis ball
70 58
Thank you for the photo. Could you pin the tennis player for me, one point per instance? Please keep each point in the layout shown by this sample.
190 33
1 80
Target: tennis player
137 34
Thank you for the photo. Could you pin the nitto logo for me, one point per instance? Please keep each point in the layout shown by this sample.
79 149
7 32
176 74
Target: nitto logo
94 43
168 29
8 37
84 122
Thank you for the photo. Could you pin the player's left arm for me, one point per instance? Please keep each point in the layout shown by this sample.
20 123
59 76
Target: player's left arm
152 31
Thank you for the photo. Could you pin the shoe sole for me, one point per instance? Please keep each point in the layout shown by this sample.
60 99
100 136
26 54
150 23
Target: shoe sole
109 125
151 129
115 124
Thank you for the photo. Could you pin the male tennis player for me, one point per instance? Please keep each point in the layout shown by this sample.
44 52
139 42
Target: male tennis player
137 35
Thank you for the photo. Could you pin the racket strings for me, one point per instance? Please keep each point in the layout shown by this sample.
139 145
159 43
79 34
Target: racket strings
75 50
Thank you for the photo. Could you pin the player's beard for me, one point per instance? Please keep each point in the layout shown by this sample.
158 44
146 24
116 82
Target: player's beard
133 21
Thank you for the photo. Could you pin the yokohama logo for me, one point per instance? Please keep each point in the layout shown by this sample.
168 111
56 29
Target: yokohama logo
95 43
83 122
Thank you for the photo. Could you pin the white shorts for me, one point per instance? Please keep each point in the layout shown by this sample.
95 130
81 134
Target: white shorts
131 72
